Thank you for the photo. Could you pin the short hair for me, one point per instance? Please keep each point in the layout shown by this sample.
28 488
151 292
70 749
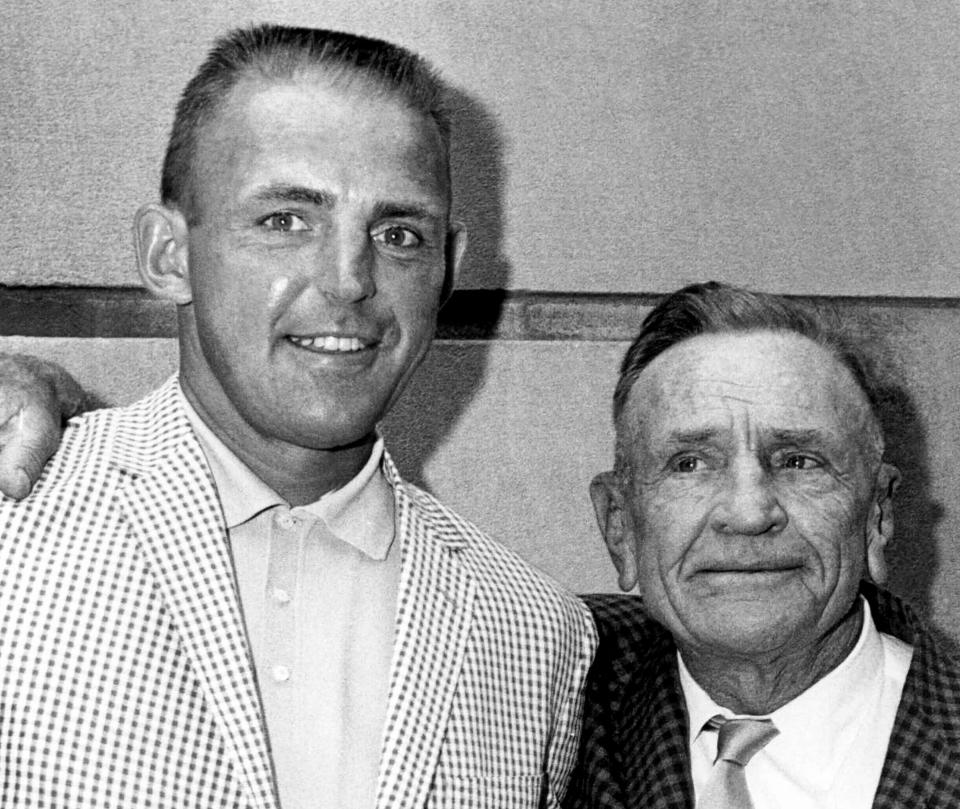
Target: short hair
714 308
279 52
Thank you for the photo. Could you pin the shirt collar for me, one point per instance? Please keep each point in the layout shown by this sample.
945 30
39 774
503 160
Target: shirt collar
359 513
816 726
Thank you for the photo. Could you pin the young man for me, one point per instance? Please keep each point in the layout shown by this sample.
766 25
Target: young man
224 595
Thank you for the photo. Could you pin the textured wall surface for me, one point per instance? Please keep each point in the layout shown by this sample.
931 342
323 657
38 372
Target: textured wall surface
615 147
807 147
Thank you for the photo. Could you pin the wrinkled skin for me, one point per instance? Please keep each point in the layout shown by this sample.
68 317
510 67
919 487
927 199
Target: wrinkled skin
752 503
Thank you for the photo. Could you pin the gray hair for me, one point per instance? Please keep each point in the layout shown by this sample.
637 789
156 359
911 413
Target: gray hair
715 308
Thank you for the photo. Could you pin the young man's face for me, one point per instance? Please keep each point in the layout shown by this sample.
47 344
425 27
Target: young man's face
317 254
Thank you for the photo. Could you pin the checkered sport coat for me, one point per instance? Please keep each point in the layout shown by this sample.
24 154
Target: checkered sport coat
634 745
127 675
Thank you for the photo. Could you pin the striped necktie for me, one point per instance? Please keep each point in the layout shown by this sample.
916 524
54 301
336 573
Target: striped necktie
739 740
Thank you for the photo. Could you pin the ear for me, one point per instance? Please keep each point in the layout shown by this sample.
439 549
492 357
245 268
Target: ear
160 239
453 257
608 505
880 526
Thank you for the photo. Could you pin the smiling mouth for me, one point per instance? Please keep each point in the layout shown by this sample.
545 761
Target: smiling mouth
751 570
329 343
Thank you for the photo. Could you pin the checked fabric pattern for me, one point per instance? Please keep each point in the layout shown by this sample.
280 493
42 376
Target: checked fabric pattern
634 749
127 677
489 670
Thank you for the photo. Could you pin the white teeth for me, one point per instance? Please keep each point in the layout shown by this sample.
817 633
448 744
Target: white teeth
328 343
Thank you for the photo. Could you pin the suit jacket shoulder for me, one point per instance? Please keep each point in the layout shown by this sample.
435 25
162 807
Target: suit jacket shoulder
922 766
496 721
120 629
133 437
501 575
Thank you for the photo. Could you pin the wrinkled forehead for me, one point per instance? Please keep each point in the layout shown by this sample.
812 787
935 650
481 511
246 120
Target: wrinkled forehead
761 381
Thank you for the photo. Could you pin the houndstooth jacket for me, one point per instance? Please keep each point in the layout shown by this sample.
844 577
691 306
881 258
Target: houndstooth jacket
634 746
127 675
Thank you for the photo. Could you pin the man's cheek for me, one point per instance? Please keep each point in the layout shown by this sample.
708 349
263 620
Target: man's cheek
822 509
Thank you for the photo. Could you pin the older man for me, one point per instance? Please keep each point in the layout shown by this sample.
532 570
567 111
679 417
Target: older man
224 594
750 504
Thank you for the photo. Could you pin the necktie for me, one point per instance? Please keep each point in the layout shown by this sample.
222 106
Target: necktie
738 742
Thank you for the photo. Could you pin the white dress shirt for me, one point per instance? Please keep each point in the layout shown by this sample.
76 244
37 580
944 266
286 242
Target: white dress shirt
318 586
833 737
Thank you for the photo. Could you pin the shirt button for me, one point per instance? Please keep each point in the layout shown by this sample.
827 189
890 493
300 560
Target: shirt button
280 596
280 674
286 522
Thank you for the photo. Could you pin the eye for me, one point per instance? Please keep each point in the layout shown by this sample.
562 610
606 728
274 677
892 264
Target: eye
284 222
799 461
397 236
688 463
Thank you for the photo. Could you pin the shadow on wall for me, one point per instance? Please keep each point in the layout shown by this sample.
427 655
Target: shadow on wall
912 557
435 401
476 164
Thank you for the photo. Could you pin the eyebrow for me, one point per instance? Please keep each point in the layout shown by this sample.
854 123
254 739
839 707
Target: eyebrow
801 436
406 210
293 193
693 436
323 199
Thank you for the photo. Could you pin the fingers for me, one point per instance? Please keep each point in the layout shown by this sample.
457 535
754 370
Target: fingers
27 440
34 397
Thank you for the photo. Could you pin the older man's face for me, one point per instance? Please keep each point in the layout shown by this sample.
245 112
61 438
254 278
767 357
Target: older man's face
755 500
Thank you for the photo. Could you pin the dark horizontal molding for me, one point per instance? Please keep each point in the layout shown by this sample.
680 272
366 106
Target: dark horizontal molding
84 312
470 314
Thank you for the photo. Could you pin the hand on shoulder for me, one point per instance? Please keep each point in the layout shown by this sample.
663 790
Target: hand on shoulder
36 396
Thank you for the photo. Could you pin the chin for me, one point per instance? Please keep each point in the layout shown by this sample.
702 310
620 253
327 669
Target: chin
332 440
742 635
316 433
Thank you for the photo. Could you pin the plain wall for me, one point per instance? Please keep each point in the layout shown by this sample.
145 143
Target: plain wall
805 147
619 146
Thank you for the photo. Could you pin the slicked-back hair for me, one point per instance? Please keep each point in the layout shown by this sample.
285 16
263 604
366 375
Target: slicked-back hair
714 308
277 52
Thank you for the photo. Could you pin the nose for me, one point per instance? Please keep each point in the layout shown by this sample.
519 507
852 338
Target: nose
749 503
346 266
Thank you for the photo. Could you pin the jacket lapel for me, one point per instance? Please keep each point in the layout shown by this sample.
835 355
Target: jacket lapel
433 623
653 728
175 515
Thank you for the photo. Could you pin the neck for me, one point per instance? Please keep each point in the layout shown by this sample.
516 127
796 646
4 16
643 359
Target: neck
300 475
756 685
